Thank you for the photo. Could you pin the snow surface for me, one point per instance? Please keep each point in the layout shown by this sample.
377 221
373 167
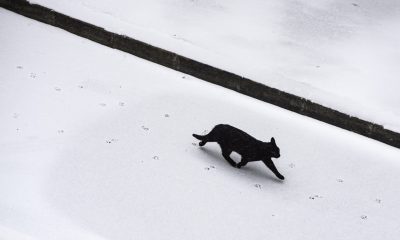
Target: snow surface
96 144
341 54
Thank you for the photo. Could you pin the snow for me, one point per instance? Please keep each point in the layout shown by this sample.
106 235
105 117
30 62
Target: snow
96 144
341 54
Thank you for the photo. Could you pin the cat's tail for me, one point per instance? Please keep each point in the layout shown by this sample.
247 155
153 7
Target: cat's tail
198 136
203 139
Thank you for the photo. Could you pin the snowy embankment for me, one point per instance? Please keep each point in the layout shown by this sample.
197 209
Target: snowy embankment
96 144
341 54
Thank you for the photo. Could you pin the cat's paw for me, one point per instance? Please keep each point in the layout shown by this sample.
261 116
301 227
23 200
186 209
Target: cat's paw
281 177
234 165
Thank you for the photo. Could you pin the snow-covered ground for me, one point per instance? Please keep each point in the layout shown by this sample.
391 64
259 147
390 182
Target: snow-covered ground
341 54
96 144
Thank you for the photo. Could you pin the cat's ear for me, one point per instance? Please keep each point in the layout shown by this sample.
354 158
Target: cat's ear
273 140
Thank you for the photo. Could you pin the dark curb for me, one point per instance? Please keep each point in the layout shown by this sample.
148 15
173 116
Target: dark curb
203 71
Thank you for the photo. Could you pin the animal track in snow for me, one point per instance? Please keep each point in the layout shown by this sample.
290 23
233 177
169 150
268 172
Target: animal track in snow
111 140
313 197
209 168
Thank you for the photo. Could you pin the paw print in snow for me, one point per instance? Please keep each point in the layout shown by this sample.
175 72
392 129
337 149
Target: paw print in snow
292 165
257 186
314 196
57 89
145 128
60 131
19 67
209 168
156 158
121 104
166 115
33 75
379 201
339 180
102 104
111 140
80 86
364 217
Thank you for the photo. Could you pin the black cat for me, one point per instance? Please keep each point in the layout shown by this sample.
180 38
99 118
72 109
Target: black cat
232 139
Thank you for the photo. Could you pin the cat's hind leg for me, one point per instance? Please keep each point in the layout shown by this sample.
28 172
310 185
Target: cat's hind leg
203 139
210 137
242 163
226 154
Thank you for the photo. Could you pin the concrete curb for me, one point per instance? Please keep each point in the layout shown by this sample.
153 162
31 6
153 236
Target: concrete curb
203 71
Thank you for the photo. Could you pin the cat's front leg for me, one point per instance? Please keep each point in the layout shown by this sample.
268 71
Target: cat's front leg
271 166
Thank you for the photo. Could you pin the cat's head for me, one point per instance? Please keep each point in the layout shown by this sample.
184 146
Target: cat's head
274 151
